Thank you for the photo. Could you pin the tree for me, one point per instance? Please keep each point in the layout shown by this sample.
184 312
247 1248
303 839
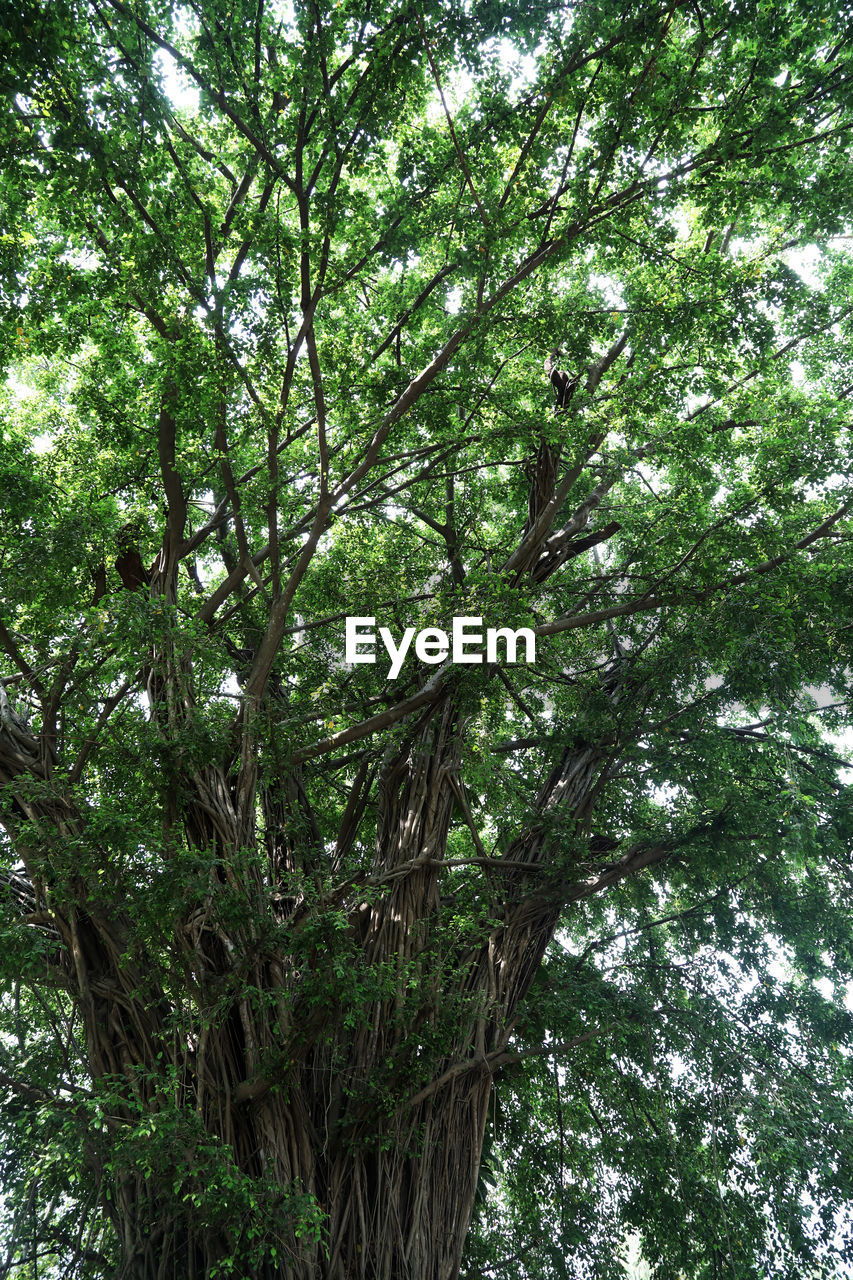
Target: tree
301 959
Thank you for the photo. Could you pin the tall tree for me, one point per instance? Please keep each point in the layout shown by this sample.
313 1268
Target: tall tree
413 313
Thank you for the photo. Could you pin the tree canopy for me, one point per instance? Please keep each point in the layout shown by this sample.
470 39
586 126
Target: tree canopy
534 314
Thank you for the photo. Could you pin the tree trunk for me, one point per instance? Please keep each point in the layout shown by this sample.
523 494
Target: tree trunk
399 1211
297 1081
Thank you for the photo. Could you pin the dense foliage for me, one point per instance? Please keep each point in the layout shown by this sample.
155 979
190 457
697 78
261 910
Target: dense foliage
485 969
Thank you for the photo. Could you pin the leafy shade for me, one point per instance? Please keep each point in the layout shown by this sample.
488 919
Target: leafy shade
488 968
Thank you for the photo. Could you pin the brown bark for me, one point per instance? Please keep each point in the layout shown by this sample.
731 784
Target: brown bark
380 1118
